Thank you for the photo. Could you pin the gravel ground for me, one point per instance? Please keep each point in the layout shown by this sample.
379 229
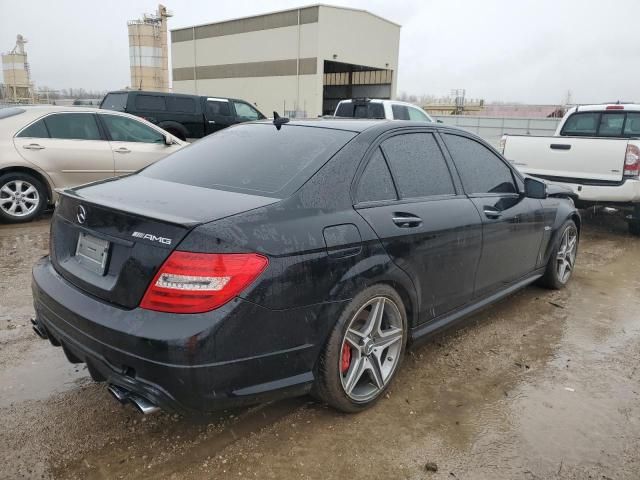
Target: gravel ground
543 385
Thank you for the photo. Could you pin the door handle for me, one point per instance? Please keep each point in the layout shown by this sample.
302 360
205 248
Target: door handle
406 220
33 146
560 146
491 212
122 150
212 122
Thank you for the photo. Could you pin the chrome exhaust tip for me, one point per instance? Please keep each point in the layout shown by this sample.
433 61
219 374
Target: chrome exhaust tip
143 405
119 393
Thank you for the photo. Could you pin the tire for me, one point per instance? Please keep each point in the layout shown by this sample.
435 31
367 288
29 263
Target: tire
634 227
22 197
355 381
564 253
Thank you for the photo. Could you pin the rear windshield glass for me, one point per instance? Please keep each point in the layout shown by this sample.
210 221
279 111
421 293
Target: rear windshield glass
360 110
253 158
10 112
115 101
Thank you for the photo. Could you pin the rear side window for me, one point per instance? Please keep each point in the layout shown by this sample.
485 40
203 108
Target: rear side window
360 110
182 104
418 165
632 125
73 126
115 101
35 130
150 102
252 158
581 124
376 182
400 112
480 169
123 129
218 108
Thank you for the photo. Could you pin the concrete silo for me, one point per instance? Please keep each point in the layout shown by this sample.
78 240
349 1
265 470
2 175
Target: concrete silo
17 86
148 51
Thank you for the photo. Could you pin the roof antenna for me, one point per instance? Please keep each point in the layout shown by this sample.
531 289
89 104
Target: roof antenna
278 121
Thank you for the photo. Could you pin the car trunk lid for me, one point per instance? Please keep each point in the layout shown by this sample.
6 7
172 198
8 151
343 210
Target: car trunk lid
110 238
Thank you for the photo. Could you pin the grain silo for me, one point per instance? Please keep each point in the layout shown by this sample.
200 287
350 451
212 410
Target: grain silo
148 51
17 86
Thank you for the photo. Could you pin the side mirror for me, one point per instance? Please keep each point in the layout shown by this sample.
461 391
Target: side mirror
535 188
168 140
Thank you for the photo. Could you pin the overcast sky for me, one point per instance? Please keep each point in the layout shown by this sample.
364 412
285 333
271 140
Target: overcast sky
500 50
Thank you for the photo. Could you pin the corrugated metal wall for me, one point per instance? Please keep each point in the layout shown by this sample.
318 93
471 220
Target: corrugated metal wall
492 129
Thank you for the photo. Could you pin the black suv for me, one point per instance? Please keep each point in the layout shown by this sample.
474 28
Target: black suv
185 116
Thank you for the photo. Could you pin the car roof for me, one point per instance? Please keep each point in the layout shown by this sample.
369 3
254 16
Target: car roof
175 94
359 125
617 107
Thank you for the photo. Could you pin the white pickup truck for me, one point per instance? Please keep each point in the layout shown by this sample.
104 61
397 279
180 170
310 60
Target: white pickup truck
595 152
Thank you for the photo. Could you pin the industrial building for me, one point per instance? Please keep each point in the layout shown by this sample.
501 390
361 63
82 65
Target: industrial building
17 87
149 52
301 62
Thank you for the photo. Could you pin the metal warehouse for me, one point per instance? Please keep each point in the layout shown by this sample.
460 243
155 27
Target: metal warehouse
301 62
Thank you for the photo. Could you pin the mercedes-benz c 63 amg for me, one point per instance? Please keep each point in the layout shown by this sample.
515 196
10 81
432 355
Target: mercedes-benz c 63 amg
274 259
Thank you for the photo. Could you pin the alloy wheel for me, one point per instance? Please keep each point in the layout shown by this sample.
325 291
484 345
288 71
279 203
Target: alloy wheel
371 349
19 198
566 257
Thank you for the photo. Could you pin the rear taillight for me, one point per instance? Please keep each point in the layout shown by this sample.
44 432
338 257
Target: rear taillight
199 282
632 161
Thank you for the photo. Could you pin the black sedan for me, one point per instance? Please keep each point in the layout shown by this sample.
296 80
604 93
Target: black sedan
275 260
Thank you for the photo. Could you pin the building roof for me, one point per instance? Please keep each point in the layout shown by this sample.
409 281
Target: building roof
288 10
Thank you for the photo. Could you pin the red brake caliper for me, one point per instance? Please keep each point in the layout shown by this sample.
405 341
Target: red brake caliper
346 358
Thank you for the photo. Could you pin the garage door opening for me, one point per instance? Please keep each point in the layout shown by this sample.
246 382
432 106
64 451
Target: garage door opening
345 80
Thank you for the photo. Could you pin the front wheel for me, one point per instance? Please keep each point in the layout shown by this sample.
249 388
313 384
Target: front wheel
364 350
22 197
563 258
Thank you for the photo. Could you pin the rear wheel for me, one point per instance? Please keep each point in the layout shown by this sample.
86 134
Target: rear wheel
22 197
563 258
364 350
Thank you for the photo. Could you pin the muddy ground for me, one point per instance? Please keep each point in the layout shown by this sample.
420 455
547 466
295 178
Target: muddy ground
543 385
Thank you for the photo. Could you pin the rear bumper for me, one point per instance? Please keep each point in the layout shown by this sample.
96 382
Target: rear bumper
626 192
185 363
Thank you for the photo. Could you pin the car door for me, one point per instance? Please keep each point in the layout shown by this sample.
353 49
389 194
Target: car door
68 146
217 114
427 226
134 144
513 225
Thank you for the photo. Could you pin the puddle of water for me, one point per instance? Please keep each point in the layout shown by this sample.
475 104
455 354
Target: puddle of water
42 371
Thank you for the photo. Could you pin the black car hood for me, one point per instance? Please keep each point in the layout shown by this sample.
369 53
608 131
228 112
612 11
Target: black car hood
167 201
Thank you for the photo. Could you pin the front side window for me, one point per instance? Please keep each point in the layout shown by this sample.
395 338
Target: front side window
480 169
123 129
73 126
417 115
252 158
115 101
155 103
418 165
581 124
400 112
35 130
246 112
218 108
376 183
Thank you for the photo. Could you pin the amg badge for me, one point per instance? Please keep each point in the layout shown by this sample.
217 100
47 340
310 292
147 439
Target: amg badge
153 238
